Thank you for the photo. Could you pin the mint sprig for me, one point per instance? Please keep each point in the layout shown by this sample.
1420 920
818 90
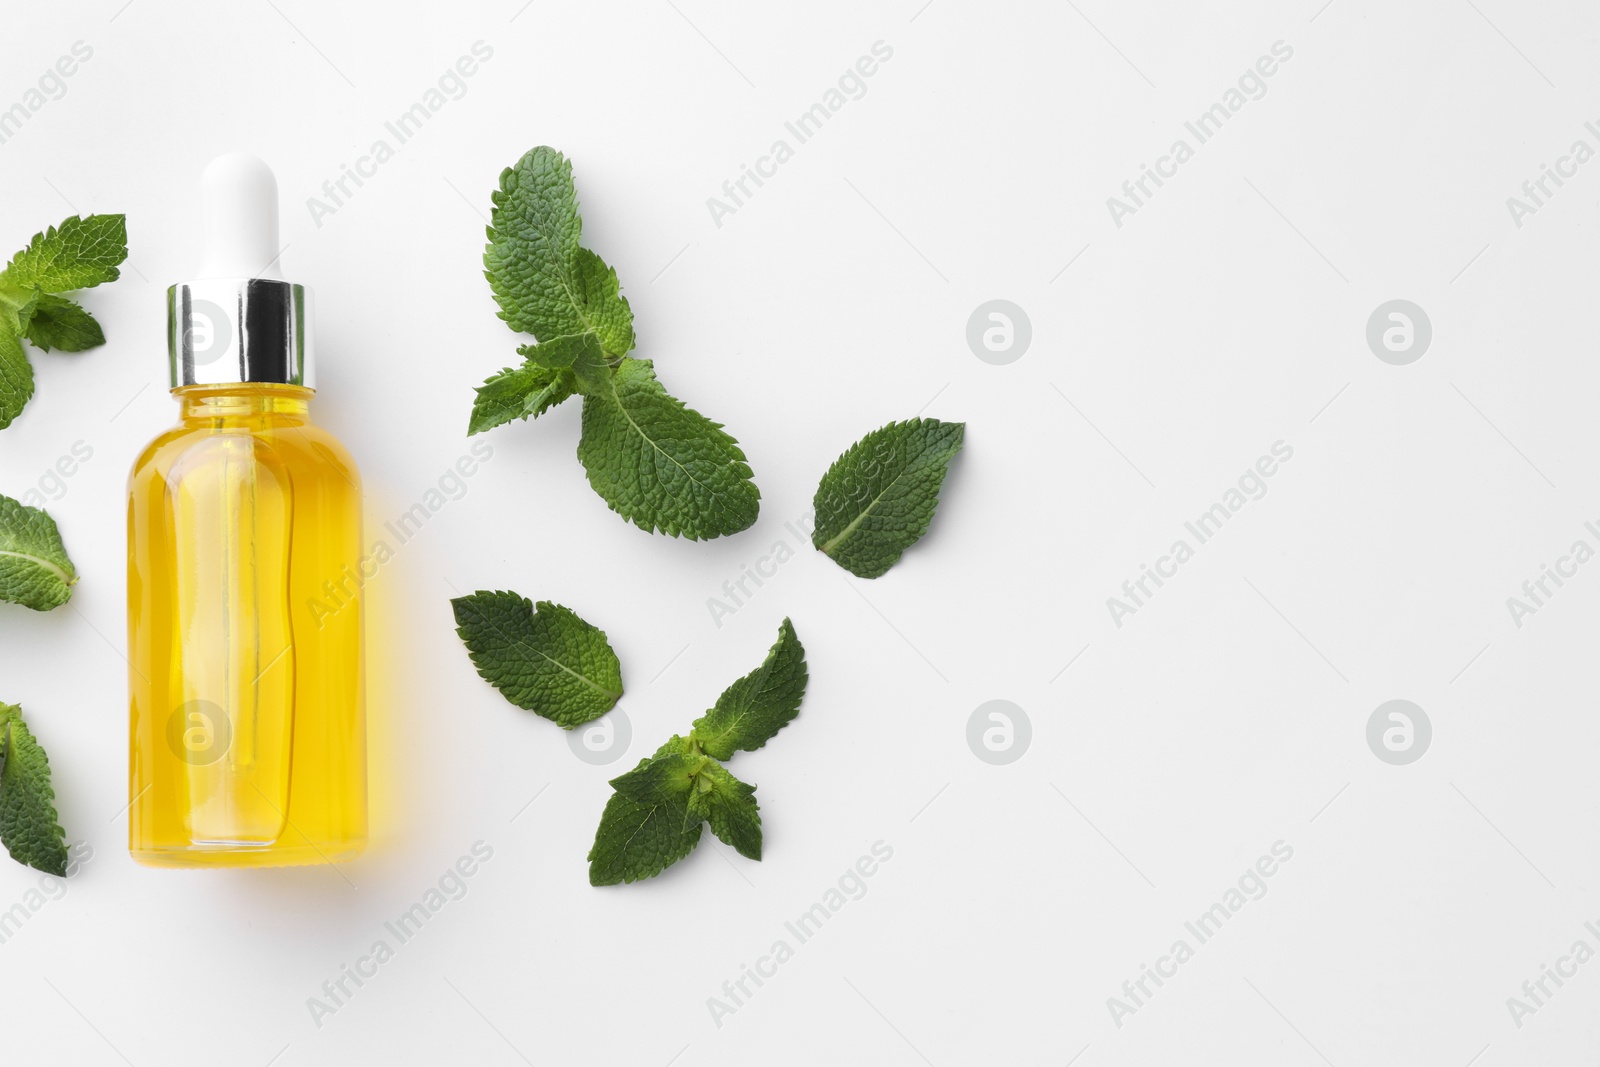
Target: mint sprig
545 282
878 498
657 810
28 826
79 254
653 460
34 569
546 659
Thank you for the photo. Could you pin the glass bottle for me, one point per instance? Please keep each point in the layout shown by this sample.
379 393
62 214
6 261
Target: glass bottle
247 722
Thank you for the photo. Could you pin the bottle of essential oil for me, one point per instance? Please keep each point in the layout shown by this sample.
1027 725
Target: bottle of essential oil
247 726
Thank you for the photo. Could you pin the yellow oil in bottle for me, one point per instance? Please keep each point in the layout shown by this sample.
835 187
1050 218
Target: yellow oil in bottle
248 732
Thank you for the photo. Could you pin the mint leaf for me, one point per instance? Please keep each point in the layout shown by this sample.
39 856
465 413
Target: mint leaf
544 282
653 818
16 376
656 810
579 353
17 307
553 371
660 464
28 826
79 254
662 776
656 462
752 710
641 839
729 805
878 498
602 306
34 569
60 323
524 392
547 661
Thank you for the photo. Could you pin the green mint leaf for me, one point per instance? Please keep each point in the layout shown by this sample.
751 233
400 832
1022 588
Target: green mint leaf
663 776
660 464
553 371
675 745
28 826
17 307
547 661
641 839
601 304
523 392
16 376
79 254
34 569
544 282
729 805
878 498
657 463
656 810
579 353
752 710
57 322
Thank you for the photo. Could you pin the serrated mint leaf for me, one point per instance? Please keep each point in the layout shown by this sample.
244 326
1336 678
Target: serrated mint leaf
579 353
656 810
28 826
57 322
878 498
16 376
674 745
523 392
565 353
663 775
604 309
545 283
79 254
660 464
547 661
752 710
639 840
656 462
34 569
729 806
17 307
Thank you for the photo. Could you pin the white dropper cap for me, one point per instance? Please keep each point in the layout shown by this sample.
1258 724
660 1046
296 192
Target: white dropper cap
238 320
239 219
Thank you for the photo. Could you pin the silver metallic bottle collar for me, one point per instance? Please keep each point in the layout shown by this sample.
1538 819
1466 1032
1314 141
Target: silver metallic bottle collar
227 331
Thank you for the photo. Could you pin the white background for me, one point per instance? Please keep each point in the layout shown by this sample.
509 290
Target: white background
1229 313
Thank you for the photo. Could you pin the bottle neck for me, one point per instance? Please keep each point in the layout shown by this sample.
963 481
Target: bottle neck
247 402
